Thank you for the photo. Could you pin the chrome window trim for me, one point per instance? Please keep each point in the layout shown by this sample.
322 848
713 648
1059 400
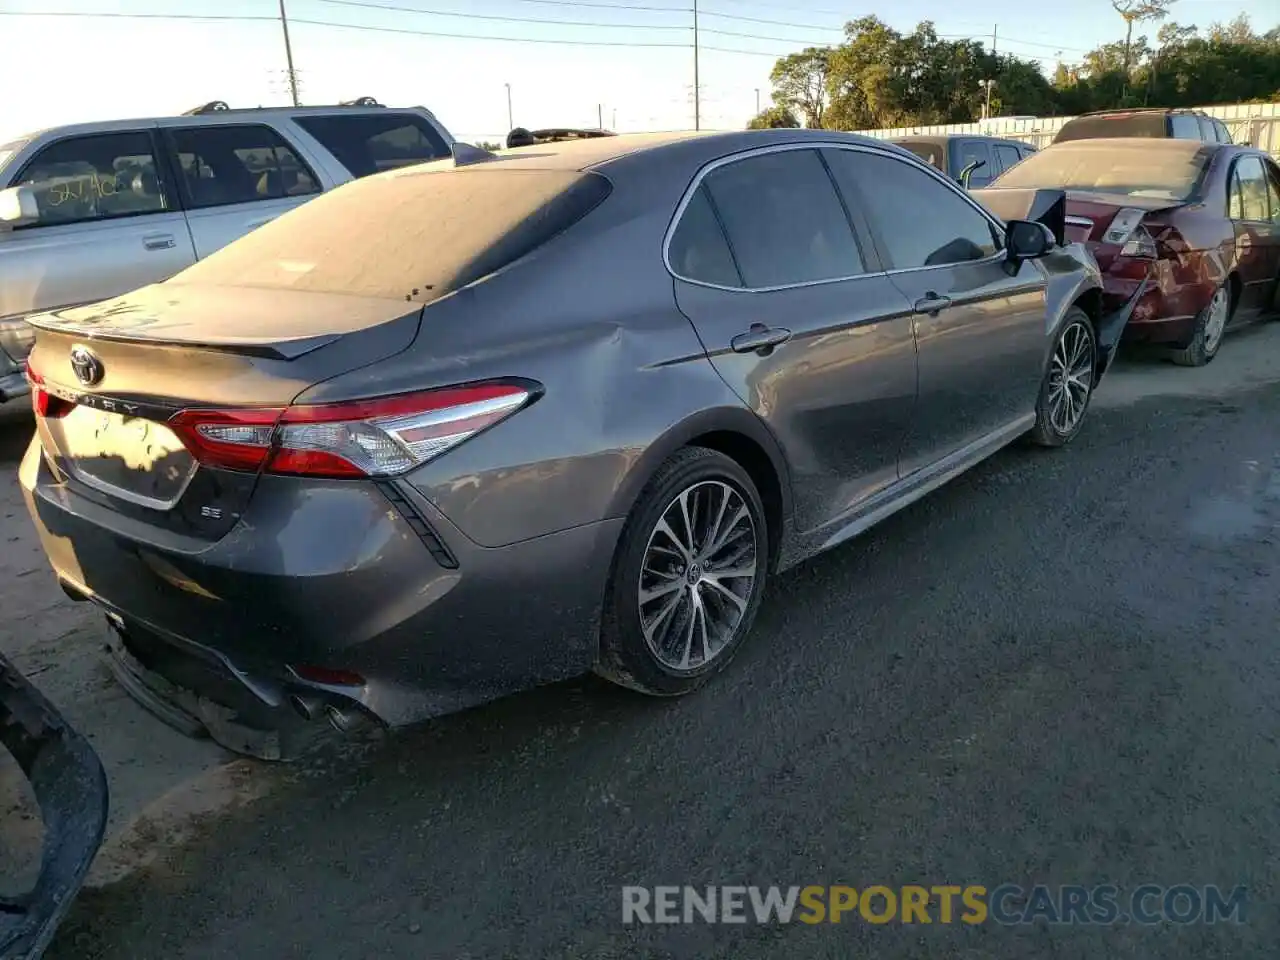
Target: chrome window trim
817 145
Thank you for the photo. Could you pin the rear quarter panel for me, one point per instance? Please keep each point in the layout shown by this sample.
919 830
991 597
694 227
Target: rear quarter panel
592 317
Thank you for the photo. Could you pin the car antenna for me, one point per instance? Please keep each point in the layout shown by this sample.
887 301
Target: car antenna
464 154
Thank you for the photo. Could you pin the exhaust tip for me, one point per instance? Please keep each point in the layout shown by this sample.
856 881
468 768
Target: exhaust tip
344 721
308 708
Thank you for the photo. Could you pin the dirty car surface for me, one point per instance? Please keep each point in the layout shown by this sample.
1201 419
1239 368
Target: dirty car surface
71 789
464 428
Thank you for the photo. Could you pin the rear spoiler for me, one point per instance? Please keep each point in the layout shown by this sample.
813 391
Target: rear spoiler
71 789
1048 207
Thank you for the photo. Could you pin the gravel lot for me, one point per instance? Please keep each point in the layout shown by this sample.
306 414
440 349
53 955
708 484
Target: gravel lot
1062 668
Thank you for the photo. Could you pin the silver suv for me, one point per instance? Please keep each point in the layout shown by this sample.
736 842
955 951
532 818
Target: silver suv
89 212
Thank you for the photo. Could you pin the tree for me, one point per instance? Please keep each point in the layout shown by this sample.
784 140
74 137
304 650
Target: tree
800 83
1138 11
776 117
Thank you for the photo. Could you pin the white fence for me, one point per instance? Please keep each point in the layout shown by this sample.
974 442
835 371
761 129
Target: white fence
1255 123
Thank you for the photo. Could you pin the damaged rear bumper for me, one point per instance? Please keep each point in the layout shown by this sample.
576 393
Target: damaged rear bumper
71 789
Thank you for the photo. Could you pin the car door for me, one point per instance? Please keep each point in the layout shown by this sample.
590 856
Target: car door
800 320
234 177
974 152
981 337
109 221
1249 210
1272 303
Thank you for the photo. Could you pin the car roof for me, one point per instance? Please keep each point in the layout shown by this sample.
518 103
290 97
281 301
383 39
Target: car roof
211 117
1124 111
947 137
596 152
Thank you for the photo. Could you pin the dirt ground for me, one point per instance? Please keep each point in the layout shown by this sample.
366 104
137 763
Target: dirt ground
164 785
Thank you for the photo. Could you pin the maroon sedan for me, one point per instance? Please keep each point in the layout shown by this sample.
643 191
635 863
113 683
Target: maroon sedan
1203 219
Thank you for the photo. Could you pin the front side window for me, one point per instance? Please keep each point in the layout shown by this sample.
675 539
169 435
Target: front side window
1224 135
1208 132
95 178
1252 184
699 250
368 144
784 220
975 151
222 165
921 221
1184 127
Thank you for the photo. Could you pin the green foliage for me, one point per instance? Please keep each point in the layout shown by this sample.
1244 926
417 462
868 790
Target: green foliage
880 77
773 118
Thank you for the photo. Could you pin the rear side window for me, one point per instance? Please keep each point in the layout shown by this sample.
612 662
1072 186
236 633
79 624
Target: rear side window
1186 127
367 144
699 250
98 177
784 219
930 153
415 235
1006 157
222 165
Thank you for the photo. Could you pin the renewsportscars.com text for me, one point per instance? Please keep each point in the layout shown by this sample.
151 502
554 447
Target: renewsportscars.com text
1007 904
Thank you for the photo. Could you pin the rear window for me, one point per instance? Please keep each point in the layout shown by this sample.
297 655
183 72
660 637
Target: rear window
931 153
1147 125
410 235
1171 172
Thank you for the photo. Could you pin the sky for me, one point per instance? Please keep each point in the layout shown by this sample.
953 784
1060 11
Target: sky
626 63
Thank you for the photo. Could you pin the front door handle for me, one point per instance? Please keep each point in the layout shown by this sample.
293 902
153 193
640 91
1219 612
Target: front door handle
760 339
159 241
931 303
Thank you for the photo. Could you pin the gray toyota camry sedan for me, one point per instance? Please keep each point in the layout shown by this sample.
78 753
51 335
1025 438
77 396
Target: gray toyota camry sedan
470 426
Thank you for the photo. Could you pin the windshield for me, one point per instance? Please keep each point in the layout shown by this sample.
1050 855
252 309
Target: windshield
1169 171
7 150
415 234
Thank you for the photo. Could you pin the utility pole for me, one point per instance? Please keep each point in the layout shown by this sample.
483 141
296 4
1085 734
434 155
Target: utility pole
698 90
614 127
511 125
986 112
757 101
599 116
288 52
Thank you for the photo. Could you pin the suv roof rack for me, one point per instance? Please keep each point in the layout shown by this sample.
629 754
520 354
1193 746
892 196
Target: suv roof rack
221 106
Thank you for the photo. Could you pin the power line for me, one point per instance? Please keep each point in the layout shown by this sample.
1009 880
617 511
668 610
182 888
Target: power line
472 36
370 4
114 15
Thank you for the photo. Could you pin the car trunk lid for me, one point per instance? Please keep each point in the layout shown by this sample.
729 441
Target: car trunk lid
1090 213
110 378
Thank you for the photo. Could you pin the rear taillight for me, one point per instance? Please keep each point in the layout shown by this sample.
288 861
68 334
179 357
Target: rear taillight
43 402
367 438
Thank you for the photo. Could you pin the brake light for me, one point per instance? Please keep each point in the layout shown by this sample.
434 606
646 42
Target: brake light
43 402
366 438
1123 224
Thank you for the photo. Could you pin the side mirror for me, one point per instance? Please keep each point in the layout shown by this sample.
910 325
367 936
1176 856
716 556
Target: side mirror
18 207
1026 240
967 173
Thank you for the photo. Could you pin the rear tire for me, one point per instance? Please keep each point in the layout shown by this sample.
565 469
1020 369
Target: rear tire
1211 322
683 595
1068 382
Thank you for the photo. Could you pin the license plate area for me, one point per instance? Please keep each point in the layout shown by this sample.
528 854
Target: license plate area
133 458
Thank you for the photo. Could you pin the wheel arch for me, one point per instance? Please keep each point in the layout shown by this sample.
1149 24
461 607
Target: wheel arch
738 434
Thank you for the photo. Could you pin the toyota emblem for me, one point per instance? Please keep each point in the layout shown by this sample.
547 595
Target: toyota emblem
88 368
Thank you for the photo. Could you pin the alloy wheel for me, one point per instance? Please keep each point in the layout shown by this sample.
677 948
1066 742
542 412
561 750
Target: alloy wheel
697 575
1071 377
1216 321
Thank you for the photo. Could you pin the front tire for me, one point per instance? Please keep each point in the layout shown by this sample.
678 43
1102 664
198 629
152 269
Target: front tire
1068 383
1211 322
687 578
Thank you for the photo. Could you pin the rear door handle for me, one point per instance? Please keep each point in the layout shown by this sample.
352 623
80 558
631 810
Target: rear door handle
159 241
760 339
931 303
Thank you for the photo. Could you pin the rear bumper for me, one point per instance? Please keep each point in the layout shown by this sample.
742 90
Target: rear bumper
1166 312
339 575
71 789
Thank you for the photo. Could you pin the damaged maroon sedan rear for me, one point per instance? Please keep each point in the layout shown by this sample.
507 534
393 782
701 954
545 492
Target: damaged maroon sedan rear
1200 220
67 779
